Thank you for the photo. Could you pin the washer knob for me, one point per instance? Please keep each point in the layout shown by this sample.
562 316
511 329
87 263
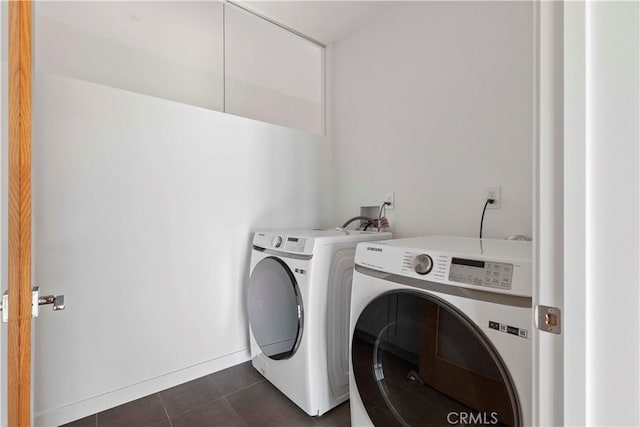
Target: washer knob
277 241
422 264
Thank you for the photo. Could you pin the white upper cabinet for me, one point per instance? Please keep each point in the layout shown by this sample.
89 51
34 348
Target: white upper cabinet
203 53
272 74
171 50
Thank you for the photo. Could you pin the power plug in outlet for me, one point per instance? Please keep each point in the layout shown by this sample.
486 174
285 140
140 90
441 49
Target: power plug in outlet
391 198
494 193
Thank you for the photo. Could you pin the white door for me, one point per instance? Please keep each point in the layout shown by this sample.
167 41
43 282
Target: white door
548 215
587 226
602 156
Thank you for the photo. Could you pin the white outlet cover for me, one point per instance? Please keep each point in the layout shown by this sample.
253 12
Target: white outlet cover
496 194
391 198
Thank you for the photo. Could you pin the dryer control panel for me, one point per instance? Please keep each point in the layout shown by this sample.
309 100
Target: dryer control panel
295 244
305 242
282 242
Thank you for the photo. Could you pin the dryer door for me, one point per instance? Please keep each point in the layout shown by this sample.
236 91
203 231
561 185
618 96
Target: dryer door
275 309
419 361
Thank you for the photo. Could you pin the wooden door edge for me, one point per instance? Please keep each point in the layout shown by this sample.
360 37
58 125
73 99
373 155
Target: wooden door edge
19 215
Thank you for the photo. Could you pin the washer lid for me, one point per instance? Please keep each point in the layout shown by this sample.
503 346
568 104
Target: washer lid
275 309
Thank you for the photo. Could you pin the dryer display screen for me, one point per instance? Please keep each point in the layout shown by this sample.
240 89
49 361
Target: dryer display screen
481 273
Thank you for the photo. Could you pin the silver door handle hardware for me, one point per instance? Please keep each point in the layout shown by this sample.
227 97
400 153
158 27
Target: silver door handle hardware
37 301
56 300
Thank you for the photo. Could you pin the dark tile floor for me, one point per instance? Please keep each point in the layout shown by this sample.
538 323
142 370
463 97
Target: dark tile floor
238 396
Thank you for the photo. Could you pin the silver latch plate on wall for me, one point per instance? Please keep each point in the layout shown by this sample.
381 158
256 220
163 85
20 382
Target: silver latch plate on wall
549 319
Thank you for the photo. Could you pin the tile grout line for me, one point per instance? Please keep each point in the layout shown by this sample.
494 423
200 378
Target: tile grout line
237 391
285 419
179 414
213 400
234 411
165 409
244 388
224 396
314 420
206 404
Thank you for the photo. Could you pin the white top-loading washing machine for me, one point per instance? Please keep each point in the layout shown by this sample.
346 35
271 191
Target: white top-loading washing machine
298 305
441 332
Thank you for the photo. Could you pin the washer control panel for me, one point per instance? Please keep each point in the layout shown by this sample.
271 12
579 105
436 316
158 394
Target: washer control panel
422 264
425 265
490 265
481 273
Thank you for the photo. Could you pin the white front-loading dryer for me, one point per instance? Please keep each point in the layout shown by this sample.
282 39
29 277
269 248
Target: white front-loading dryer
441 332
298 302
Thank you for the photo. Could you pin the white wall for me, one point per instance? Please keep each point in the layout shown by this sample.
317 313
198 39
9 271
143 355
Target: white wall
434 101
143 212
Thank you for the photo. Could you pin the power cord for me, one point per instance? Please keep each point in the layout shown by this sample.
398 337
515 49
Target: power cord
489 202
380 216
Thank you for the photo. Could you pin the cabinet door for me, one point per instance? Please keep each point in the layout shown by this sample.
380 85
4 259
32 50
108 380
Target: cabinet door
271 74
171 50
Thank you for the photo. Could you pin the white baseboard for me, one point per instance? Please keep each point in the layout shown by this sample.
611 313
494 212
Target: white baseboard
92 405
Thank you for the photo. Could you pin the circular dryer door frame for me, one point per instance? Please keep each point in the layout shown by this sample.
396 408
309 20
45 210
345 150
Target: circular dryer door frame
275 308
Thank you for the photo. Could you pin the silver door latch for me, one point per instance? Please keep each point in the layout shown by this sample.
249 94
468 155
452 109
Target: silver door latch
36 302
549 319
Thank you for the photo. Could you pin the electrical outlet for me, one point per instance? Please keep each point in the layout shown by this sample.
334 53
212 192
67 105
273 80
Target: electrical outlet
391 198
494 193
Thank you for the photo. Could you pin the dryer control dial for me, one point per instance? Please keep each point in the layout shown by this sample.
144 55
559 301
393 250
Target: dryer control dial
277 241
422 264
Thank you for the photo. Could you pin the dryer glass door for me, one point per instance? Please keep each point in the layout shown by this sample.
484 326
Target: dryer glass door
275 308
419 361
